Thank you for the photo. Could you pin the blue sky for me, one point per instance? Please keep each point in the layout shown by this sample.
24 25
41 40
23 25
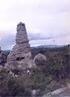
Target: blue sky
47 21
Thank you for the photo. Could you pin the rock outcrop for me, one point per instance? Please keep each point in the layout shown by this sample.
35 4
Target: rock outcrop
3 58
40 59
21 53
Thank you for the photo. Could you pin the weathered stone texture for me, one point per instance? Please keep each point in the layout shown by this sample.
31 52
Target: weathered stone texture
3 58
21 53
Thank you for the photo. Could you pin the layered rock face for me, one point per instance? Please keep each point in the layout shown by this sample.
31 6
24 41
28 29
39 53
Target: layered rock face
3 58
20 54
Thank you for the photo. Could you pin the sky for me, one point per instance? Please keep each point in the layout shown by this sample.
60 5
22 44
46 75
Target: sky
47 21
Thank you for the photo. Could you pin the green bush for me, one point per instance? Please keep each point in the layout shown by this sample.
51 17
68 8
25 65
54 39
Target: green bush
56 67
23 84
11 86
4 76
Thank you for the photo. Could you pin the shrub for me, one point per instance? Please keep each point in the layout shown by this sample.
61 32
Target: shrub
23 84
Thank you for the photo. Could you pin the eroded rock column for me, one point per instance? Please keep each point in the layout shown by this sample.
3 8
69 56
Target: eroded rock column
20 56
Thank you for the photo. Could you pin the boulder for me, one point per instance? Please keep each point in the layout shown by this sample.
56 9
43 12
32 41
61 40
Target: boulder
40 59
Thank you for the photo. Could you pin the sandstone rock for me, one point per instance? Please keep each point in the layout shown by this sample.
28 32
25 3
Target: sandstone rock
3 58
21 52
40 59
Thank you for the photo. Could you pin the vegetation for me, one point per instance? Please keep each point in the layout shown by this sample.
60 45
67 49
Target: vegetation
48 75
23 84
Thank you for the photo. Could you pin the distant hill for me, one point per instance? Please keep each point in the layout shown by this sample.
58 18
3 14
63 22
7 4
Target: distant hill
44 48
50 46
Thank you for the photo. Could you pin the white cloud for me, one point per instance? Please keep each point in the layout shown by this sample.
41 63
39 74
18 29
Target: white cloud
47 17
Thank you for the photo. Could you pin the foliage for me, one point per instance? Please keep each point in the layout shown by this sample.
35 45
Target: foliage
23 84
10 86
46 76
4 76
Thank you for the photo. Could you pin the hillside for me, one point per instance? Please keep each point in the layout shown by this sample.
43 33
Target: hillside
52 74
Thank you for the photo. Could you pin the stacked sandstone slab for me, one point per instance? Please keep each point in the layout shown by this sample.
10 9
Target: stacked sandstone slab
20 56
3 58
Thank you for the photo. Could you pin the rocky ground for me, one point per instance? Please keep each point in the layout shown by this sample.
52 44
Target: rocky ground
66 92
62 92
